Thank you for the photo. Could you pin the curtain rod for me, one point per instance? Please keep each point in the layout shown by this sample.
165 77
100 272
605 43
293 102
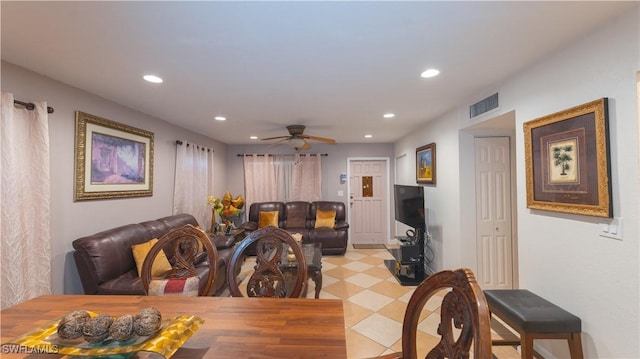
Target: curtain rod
178 142
286 154
31 106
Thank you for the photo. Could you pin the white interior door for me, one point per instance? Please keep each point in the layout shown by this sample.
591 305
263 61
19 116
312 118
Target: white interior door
493 213
368 202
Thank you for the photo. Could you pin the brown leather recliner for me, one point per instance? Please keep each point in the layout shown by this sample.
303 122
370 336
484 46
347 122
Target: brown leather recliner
105 260
300 217
333 239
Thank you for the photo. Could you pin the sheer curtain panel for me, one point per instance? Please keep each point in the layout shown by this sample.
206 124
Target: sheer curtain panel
25 246
259 179
306 182
283 166
193 182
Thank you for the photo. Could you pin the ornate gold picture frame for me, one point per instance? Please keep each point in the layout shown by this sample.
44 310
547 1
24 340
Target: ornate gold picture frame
426 164
112 160
567 161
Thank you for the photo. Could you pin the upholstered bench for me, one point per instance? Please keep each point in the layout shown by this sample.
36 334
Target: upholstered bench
534 317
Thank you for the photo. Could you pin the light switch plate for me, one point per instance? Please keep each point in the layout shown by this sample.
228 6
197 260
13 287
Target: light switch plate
612 228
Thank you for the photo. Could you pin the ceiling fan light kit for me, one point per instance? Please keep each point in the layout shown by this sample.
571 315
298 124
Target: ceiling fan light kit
296 143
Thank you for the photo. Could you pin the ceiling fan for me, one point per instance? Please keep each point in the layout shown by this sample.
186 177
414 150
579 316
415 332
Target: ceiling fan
297 139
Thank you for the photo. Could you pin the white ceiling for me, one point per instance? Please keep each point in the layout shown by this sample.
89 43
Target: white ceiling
335 67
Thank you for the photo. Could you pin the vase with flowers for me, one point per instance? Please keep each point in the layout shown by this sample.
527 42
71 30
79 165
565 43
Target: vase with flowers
227 208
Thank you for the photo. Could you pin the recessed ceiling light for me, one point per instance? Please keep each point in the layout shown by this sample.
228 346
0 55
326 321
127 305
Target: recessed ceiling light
368 136
430 73
220 118
152 78
253 137
389 115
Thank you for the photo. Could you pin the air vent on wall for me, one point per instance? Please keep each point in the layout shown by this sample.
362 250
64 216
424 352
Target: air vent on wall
483 106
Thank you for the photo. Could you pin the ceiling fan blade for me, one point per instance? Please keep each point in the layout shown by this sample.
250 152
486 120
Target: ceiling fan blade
306 146
320 139
275 138
278 142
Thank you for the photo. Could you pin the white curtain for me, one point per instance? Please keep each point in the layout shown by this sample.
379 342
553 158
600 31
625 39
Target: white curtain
193 182
306 182
259 179
283 166
25 246
282 178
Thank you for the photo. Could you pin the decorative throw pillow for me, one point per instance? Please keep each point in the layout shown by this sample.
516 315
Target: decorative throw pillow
268 218
160 264
175 286
325 219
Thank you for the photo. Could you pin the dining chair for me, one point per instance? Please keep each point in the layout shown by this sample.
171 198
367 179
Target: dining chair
267 279
464 318
193 257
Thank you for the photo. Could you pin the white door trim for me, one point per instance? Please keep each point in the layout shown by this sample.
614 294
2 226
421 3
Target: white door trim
388 192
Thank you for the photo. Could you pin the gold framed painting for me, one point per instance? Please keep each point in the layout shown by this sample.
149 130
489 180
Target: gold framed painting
426 164
567 161
112 160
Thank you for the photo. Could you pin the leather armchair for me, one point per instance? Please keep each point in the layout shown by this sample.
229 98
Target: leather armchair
334 240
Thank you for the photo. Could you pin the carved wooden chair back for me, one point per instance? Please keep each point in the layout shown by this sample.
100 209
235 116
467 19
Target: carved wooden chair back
185 243
267 279
464 317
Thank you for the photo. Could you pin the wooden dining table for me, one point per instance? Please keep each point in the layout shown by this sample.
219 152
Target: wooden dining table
233 327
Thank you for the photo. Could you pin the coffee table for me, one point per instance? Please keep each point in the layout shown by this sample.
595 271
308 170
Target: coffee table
313 257
223 241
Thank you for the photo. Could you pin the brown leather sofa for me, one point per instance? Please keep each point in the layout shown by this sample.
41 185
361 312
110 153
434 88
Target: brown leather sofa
300 217
105 260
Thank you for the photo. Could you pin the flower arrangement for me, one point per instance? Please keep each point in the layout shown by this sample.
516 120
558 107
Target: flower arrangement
226 208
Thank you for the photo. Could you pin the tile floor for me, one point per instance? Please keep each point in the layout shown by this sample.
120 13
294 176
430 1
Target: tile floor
374 305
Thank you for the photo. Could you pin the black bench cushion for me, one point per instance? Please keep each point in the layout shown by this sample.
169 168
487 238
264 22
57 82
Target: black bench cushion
529 312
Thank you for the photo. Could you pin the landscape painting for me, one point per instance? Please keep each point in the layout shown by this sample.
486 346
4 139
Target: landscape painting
113 160
116 160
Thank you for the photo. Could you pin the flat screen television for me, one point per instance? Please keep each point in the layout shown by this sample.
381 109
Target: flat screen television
409 203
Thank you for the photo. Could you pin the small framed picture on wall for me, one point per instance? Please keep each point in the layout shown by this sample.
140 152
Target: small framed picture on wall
426 164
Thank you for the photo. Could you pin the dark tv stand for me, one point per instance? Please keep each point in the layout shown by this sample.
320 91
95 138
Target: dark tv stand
408 263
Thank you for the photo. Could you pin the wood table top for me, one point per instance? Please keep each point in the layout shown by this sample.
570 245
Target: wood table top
233 327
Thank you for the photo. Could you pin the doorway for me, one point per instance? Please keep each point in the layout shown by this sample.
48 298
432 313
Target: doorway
368 190
475 254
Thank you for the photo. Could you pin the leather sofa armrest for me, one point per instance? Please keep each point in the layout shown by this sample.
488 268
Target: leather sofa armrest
200 257
87 276
341 225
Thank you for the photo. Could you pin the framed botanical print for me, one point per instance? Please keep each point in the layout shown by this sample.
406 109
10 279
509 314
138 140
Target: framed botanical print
567 161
